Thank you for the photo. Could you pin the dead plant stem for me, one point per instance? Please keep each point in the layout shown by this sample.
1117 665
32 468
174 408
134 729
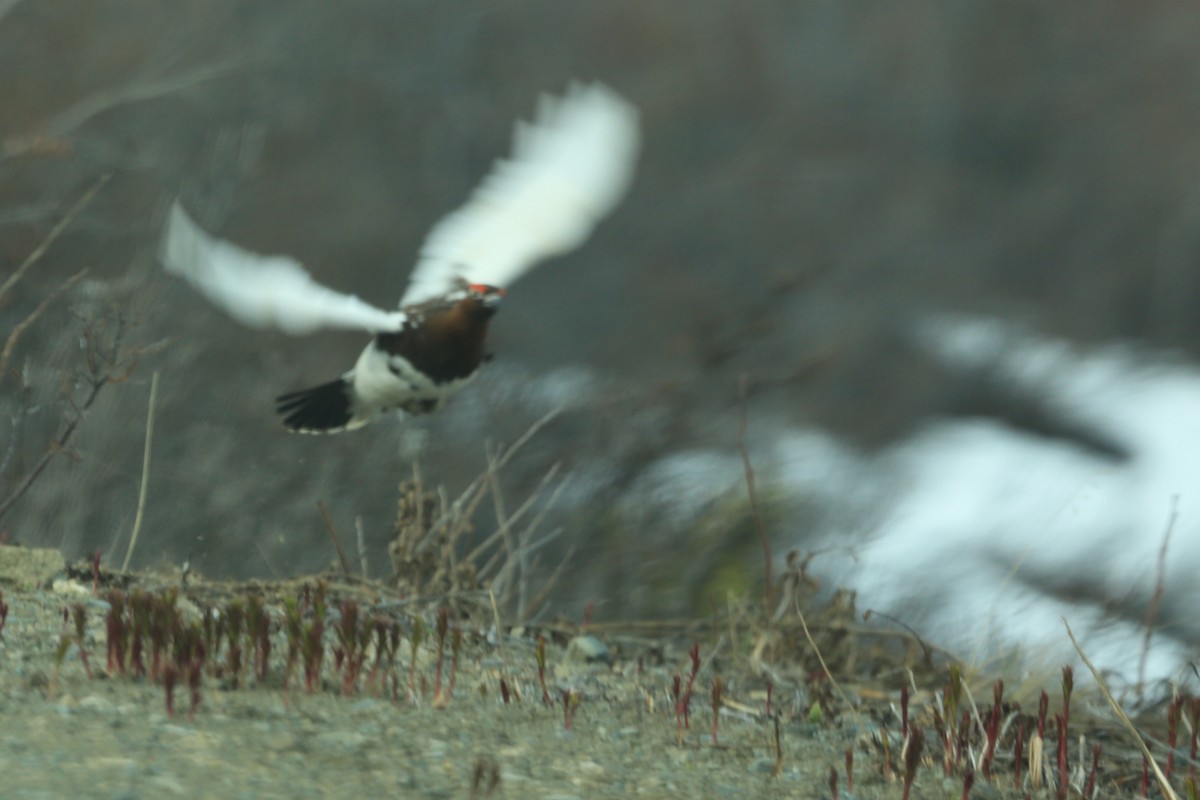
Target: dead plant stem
10 345
141 503
362 545
57 446
828 674
759 527
333 535
1163 785
51 237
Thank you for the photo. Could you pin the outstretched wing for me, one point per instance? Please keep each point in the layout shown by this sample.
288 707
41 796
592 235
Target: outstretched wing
262 291
568 169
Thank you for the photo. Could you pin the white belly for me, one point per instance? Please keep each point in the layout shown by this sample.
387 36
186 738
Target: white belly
384 382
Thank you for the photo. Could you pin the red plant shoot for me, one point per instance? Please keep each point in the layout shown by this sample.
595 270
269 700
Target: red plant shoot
442 628
80 615
992 729
676 694
718 690
194 672
912 759
1089 789
455 650
1173 709
118 630
1018 754
1063 776
169 676
418 633
1194 717
540 656
685 701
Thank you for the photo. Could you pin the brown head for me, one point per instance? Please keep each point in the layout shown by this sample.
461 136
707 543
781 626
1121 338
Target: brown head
445 340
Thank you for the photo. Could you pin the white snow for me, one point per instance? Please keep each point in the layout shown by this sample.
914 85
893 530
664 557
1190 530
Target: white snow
984 537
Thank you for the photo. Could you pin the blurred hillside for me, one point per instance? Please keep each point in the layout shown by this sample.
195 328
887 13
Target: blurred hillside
816 176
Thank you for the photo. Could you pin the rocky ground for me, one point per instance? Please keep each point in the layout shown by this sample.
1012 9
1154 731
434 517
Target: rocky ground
109 735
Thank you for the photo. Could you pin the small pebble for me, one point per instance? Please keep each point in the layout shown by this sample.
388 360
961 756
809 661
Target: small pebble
589 650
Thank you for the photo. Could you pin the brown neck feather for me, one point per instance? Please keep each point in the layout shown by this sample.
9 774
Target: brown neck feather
447 344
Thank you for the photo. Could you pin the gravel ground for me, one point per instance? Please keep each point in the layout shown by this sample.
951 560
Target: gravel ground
66 735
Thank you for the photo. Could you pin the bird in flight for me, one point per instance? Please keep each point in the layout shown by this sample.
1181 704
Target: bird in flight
568 169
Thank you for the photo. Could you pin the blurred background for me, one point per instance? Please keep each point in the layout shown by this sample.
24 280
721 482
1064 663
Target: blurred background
820 182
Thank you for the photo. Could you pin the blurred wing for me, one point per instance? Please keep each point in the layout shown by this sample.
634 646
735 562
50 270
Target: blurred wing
568 169
262 291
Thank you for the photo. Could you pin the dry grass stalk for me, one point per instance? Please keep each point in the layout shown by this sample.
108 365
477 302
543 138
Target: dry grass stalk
51 237
431 532
812 642
141 503
1163 785
751 490
333 535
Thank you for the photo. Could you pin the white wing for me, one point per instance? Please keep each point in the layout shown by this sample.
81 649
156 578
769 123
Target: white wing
568 169
262 291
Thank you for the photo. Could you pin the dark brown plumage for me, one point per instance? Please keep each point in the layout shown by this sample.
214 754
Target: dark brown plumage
445 344
436 351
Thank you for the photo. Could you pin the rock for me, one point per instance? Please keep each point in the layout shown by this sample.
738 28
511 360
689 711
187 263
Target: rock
29 566
589 650
95 703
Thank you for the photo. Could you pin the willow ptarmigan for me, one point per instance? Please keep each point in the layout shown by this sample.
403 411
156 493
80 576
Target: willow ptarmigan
568 169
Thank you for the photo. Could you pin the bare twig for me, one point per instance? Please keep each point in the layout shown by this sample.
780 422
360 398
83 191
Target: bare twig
458 515
759 527
18 423
333 535
55 232
10 345
508 523
107 363
69 120
1163 785
548 585
141 503
528 546
59 445
266 560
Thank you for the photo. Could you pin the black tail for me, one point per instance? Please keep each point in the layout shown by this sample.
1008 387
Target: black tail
321 409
